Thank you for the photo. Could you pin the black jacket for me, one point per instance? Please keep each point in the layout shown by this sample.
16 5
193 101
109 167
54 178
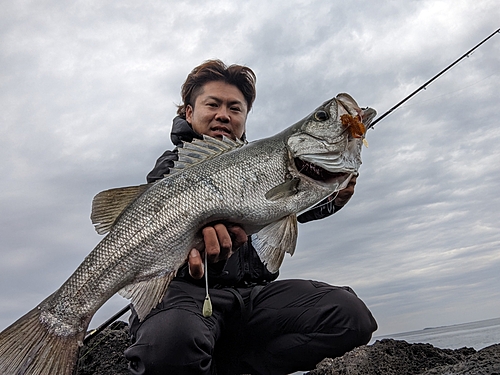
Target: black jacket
244 266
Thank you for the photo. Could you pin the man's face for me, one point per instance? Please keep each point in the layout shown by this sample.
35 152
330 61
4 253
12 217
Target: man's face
219 109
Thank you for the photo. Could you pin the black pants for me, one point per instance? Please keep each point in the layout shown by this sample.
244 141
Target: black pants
290 325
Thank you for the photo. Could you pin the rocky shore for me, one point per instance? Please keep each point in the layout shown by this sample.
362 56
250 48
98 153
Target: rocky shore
103 355
395 357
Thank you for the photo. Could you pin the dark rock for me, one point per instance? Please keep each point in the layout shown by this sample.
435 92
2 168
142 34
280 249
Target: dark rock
485 361
103 355
393 357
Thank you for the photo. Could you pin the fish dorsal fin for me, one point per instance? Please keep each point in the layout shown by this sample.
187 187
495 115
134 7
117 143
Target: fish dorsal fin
146 294
276 239
200 150
109 204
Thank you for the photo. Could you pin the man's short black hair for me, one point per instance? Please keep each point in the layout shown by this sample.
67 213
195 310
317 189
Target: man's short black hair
215 70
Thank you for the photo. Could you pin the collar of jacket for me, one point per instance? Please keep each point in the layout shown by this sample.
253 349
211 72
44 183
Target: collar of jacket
182 132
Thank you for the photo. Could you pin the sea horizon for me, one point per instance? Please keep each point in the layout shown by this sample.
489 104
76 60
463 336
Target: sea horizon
478 335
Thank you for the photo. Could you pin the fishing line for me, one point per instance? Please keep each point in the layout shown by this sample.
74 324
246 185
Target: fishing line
207 304
328 199
424 86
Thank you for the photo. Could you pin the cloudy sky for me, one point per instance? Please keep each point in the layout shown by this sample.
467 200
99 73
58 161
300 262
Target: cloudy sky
88 92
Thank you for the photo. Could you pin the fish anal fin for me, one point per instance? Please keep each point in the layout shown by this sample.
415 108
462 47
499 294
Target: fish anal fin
108 205
284 190
146 294
276 239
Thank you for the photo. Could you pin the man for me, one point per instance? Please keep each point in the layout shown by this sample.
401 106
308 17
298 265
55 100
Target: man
258 325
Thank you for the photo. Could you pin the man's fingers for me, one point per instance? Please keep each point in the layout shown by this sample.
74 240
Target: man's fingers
220 241
345 195
211 240
239 236
195 264
225 240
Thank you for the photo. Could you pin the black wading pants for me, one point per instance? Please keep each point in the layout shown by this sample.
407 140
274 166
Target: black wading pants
285 326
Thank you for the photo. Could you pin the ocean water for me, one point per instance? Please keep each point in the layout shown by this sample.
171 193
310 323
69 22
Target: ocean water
475 335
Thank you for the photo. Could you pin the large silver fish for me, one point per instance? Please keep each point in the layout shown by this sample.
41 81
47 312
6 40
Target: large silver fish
260 186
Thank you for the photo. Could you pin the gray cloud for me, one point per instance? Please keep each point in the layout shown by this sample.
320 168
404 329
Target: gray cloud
88 92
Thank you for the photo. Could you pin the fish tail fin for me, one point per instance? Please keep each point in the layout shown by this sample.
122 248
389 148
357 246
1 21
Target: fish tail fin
28 347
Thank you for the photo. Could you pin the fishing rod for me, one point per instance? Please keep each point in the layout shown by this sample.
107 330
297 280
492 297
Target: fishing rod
127 308
424 86
106 324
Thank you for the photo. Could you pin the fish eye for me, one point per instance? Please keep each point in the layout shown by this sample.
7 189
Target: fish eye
321 115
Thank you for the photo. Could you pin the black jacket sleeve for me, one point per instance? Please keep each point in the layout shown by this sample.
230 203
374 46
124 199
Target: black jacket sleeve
162 166
323 209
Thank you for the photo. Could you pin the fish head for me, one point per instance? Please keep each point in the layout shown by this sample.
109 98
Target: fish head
326 145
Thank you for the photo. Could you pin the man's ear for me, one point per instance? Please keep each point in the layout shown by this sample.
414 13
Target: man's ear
189 113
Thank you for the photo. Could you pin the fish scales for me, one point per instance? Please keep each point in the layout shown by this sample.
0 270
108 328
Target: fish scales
133 251
259 186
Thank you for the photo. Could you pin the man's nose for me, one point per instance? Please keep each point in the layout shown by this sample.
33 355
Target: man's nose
222 114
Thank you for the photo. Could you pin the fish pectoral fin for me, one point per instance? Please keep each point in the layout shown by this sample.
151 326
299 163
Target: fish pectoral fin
146 294
276 239
284 190
108 205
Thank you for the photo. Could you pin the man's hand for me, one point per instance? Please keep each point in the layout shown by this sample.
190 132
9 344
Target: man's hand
220 242
345 194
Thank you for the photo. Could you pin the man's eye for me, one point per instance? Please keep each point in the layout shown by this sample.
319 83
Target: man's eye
236 109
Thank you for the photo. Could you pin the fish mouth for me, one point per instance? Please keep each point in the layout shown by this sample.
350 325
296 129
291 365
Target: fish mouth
318 173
